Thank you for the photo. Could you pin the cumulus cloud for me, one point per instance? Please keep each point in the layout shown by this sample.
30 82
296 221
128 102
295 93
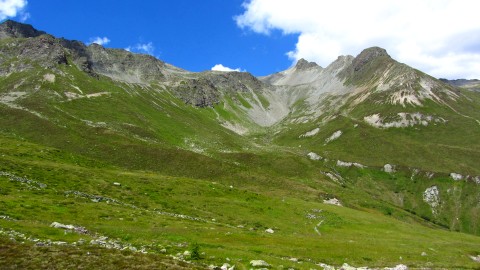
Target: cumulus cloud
100 40
146 48
439 37
220 67
24 16
11 8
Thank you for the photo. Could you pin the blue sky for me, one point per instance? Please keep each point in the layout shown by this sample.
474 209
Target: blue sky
194 35
439 37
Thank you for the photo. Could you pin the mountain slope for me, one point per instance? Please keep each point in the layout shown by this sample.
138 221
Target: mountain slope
385 99
157 158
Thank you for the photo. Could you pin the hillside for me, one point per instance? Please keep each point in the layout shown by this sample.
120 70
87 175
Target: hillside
112 156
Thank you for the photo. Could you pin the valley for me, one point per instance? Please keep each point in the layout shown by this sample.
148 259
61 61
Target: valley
120 158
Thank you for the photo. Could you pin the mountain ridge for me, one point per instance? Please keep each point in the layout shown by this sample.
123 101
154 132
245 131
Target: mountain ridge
342 162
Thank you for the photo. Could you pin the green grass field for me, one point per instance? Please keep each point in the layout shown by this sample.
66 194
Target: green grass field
149 178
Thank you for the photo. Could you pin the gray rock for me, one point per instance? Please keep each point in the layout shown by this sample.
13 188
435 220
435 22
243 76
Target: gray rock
259 263
432 196
303 64
12 29
398 267
367 56
333 201
456 176
388 168
346 266
475 258
314 156
227 266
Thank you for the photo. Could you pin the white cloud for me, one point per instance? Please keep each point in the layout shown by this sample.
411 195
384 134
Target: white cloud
100 40
24 16
440 37
220 67
10 8
146 48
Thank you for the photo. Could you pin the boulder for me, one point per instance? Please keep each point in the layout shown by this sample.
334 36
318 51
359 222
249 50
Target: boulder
269 230
388 168
259 263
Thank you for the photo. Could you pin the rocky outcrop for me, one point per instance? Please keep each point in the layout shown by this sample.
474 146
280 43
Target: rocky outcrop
368 55
125 66
198 89
198 92
30 184
234 81
205 89
259 263
333 201
303 64
388 168
432 197
44 51
314 156
77 229
12 29
473 85
48 51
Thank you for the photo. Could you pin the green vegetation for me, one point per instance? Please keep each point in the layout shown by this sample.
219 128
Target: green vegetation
226 220
137 178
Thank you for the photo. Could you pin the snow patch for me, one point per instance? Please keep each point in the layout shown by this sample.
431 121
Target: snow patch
310 133
432 197
334 136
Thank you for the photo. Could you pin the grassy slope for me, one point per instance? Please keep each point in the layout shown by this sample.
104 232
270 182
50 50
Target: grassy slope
439 148
141 137
358 236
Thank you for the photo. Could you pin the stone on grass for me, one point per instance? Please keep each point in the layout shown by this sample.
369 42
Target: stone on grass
259 263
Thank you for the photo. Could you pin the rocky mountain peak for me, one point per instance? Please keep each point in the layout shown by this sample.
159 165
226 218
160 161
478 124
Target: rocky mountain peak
303 64
367 56
15 29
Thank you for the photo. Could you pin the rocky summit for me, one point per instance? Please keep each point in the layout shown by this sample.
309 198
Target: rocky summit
122 160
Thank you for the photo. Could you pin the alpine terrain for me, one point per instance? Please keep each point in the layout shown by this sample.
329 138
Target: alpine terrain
116 160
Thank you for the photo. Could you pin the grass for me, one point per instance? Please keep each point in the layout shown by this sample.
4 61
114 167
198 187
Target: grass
14 255
185 181
232 219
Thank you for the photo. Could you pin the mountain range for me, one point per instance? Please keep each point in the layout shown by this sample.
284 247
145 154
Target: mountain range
364 162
